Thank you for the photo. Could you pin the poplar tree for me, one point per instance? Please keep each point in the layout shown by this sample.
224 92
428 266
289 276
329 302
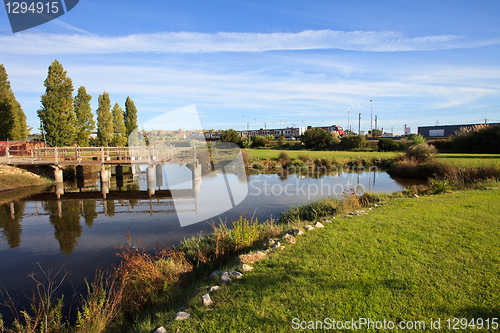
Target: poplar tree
120 132
57 113
84 117
12 118
130 119
105 126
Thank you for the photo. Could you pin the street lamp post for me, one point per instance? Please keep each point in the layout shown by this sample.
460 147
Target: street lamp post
371 117
348 112
359 124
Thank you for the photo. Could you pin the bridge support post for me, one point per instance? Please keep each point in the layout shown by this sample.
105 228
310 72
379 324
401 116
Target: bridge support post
151 180
59 190
159 176
104 175
58 175
119 171
196 176
79 171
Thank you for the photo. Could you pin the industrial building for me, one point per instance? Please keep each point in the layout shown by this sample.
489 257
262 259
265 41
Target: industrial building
443 131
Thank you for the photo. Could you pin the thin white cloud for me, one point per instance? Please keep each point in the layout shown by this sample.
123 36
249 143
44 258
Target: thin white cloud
195 42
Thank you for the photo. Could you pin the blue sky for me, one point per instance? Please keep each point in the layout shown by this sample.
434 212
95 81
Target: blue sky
273 62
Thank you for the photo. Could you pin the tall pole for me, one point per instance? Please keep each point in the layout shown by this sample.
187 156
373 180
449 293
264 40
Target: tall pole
243 125
348 112
371 117
375 122
359 124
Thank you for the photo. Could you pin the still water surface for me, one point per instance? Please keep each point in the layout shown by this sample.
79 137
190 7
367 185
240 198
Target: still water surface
82 229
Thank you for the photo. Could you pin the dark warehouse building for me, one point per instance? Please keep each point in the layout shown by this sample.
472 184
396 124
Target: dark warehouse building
443 131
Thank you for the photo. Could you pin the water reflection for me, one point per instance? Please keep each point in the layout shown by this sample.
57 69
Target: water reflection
146 192
11 215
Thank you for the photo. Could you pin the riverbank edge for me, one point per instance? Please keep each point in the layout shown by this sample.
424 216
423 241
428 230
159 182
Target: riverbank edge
22 178
294 218
219 250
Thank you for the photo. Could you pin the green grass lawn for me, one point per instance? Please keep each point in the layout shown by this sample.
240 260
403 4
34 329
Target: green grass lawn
273 153
413 259
470 160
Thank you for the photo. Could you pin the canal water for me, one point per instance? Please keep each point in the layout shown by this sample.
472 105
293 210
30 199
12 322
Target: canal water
83 228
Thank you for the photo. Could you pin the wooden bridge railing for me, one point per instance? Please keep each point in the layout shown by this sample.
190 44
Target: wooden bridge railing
103 155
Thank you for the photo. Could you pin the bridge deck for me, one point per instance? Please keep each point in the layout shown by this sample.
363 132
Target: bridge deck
99 155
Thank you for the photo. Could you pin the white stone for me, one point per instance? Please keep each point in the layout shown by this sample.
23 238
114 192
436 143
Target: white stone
275 246
181 315
318 225
236 274
161 330
206 300
308 227
298 232
290 239
225 279
246 268
214 289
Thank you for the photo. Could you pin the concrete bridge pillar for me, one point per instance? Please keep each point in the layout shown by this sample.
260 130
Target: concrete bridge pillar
12 210
59 190
159 175
196 176
58 175
105 175
151 180
104 189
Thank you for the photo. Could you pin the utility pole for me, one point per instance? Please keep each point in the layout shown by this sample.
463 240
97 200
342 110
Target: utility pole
359 124
375 123
371 117
348 112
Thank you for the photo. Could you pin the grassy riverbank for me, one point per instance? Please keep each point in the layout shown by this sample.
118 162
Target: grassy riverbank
12 177
411 259
268 156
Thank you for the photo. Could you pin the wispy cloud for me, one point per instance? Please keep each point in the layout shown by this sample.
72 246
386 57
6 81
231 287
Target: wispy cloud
195 42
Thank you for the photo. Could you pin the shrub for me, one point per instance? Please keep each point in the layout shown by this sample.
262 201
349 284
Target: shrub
259 141
352 142
284 159
386 144
421 152
258 165
246 143
480 139
417 139
403 145
317 138
230 136
304 157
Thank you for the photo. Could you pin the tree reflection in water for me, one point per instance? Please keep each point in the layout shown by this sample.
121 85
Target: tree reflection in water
65 217
11 215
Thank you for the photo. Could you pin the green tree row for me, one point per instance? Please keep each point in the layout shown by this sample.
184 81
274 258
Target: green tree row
67 120
12 118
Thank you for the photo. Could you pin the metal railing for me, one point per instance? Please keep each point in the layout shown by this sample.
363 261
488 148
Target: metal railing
97 155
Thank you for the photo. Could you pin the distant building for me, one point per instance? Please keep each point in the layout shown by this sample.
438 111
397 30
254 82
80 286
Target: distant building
444 131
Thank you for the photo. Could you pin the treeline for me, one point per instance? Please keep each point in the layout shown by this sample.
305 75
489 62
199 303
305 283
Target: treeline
12 118
67 120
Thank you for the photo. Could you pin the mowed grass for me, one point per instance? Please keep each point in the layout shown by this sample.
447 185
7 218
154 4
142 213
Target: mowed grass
410 260
274 153
470 160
